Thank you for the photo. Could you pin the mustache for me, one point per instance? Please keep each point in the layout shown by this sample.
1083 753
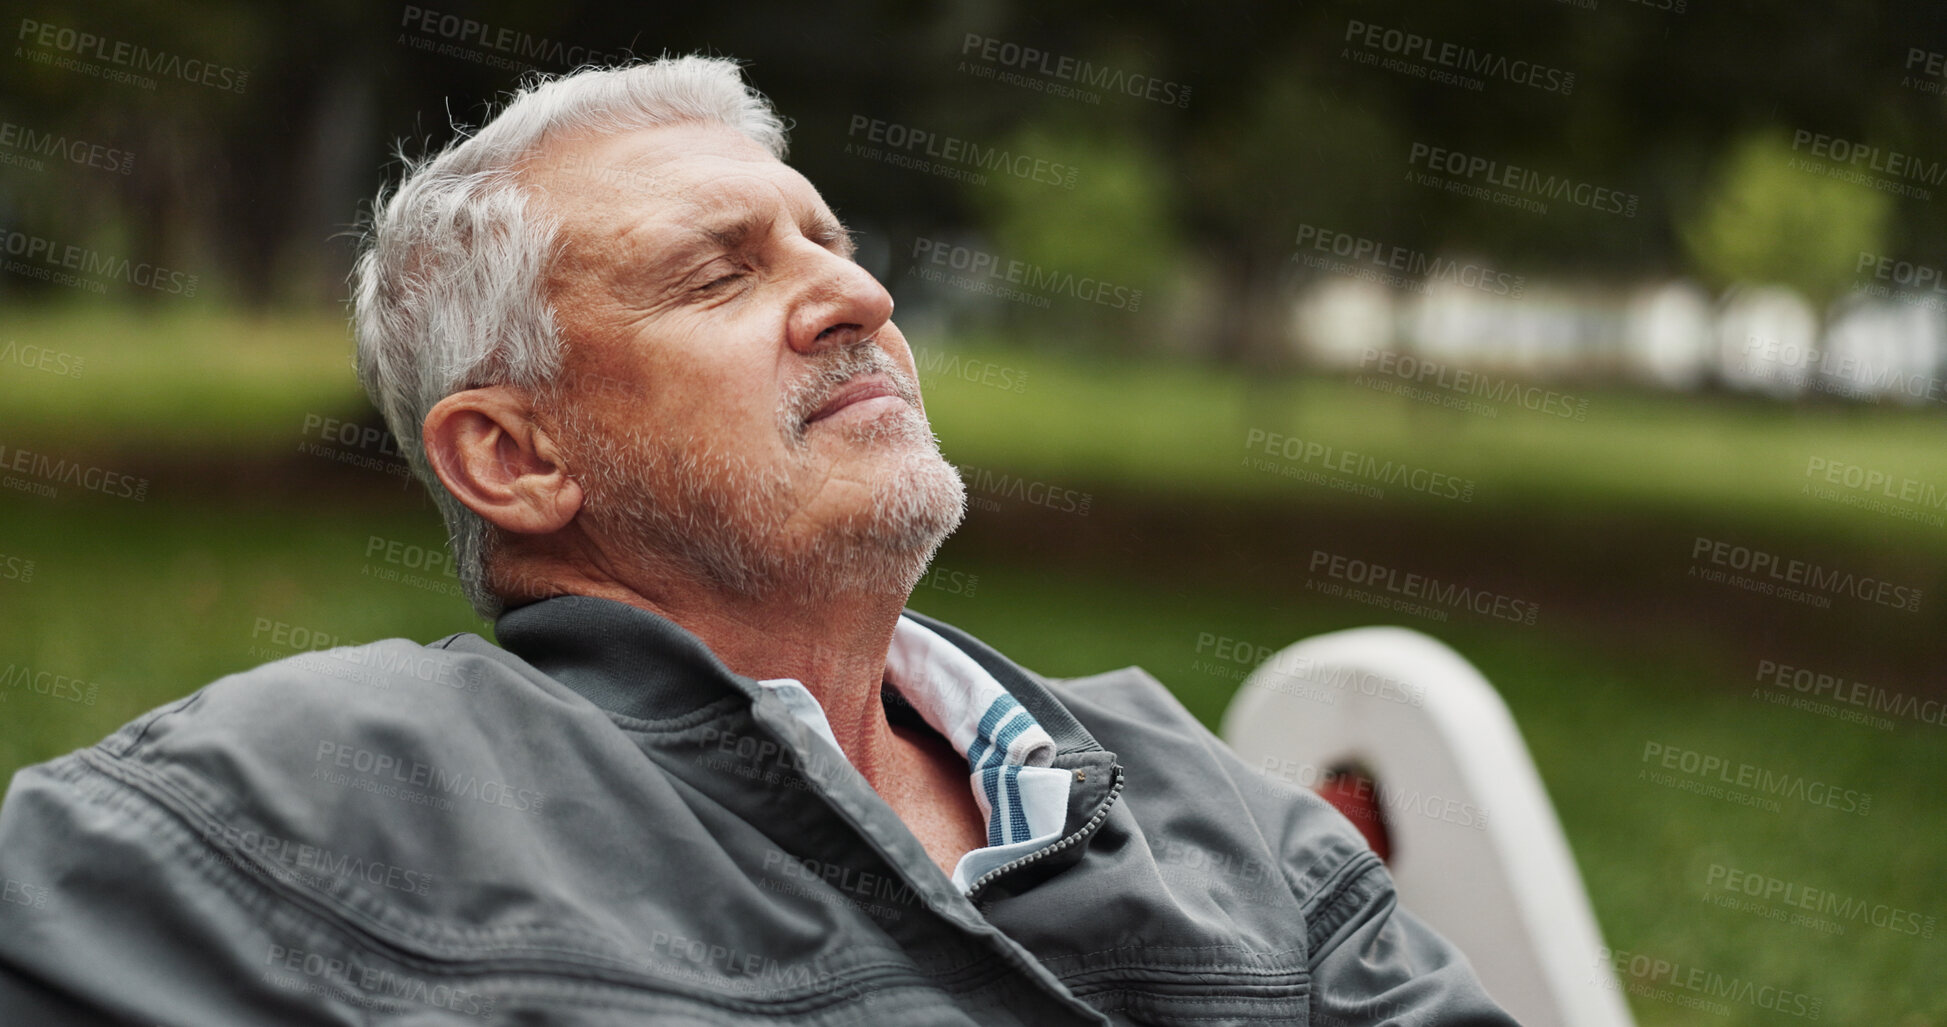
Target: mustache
833 371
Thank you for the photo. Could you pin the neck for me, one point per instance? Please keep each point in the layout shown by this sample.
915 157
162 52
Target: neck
834 644
836 647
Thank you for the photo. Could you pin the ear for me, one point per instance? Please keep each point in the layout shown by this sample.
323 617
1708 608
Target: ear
488 452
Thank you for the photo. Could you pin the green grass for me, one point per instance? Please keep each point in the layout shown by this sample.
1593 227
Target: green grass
170 382
1188 429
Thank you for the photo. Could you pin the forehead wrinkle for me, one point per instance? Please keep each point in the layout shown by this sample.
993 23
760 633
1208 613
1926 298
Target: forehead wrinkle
683 214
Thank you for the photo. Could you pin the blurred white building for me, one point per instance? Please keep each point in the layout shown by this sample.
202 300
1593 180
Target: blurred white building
1761 339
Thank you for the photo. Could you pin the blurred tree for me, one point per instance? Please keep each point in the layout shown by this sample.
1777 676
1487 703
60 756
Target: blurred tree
1114 227
1769 216
1284 125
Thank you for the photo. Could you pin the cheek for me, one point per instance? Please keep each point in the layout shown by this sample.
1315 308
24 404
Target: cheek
721 406
706 375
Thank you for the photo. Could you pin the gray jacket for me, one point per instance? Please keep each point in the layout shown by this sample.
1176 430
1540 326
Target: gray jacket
600 824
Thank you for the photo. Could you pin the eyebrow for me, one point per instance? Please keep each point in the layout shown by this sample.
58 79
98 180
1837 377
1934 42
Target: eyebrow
827 230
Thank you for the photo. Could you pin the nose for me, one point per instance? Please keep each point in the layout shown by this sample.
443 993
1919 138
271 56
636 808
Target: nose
841 306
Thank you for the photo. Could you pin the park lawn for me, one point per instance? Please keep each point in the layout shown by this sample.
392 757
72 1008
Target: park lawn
146 602
1219 434
171 383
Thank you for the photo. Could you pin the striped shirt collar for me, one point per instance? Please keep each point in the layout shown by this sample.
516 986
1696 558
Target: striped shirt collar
1024 799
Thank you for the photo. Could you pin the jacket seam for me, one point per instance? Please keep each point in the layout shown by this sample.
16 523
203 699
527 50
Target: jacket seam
1343 897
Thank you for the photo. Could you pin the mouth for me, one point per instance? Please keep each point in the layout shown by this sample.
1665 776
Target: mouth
867 392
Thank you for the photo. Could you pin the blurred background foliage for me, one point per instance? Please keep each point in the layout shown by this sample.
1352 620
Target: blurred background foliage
1693 112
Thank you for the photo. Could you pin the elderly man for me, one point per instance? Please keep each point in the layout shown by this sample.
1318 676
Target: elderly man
711 773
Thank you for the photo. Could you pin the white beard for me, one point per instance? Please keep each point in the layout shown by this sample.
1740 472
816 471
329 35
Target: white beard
735 526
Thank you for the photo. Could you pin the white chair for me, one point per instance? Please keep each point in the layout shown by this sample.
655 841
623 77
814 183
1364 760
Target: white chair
1476 849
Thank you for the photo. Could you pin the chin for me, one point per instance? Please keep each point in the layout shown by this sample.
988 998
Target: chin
884 548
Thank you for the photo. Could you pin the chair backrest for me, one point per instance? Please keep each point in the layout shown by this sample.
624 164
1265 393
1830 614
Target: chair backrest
1477 850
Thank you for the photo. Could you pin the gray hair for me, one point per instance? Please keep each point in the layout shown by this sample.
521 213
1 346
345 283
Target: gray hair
449 292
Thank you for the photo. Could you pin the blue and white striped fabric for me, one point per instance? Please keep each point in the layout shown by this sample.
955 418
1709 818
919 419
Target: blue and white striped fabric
997 766
1024 799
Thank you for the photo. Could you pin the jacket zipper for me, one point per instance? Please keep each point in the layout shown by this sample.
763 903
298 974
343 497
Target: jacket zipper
1102 811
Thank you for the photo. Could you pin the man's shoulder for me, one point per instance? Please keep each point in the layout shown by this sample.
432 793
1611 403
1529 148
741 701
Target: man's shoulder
276 811
286 743
408 685
1129 692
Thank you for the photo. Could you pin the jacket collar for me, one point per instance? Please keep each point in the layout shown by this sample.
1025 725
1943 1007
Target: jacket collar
635 663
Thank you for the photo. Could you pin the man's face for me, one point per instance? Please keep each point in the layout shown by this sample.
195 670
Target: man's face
735 398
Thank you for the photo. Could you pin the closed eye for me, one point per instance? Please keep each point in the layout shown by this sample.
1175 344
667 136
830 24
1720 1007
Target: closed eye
717 274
